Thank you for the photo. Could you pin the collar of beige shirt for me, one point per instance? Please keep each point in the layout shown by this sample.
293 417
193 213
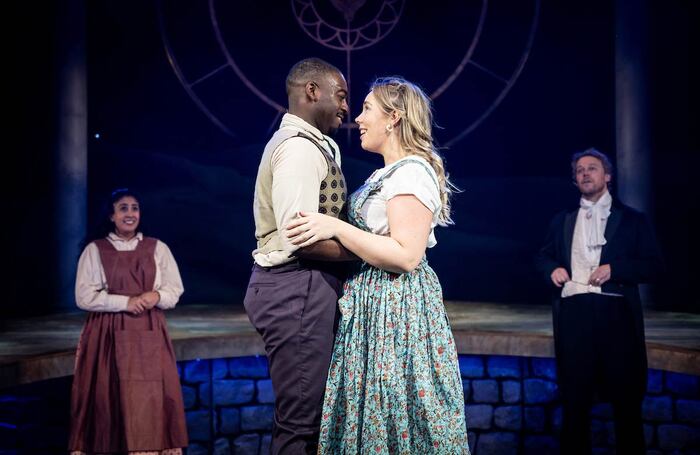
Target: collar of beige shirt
292 121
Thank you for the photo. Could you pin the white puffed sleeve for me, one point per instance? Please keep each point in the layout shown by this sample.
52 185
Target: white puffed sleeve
167 282
415 179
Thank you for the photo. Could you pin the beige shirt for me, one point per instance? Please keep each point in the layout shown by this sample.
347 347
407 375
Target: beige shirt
92 292
288 182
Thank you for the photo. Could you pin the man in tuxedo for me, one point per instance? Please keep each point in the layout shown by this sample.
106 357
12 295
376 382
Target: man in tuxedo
594 257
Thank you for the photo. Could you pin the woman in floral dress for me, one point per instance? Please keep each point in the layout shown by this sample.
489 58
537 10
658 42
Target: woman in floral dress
394 385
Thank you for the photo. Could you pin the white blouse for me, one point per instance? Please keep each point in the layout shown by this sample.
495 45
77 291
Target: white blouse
92 292
410 178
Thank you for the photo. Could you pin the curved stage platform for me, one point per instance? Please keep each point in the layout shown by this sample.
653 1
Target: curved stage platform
41 348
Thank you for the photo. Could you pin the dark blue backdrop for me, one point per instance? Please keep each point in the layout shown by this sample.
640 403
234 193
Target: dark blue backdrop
197 181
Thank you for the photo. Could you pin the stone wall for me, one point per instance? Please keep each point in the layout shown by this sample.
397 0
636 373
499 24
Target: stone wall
512 407
228 404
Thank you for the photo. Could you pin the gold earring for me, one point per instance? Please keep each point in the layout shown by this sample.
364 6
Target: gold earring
389 128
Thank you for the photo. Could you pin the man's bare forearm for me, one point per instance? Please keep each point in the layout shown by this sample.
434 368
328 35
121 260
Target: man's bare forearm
326 250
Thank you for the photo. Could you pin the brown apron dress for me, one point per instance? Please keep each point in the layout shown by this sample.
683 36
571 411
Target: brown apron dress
126 392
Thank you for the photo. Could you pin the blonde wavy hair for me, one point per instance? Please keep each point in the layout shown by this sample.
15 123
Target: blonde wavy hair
415 129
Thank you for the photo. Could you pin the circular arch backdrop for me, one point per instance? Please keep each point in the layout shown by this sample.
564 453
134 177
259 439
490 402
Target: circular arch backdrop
207 65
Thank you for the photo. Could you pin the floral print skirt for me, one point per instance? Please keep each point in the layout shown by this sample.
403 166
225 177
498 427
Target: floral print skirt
394 385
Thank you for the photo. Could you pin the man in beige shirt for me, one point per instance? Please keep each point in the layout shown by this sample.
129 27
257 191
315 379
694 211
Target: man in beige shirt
292 295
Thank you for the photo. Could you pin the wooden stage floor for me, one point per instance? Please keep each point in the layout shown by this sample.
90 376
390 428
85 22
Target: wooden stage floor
39 348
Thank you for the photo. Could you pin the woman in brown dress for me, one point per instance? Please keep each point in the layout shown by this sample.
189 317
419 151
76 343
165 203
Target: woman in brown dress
126 395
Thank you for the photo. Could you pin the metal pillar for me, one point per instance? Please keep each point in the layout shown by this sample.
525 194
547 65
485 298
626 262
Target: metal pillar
70 145
634 178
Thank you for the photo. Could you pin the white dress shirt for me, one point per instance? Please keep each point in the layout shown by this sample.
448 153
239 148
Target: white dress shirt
587 246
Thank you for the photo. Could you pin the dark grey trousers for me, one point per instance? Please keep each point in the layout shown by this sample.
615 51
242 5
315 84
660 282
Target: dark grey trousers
294 308
598 357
